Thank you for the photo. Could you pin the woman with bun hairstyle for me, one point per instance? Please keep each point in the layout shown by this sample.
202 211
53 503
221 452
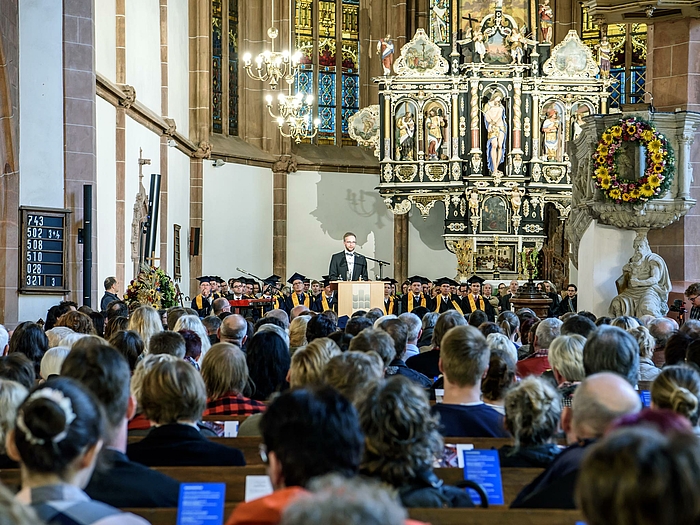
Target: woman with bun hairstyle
56 440
677 388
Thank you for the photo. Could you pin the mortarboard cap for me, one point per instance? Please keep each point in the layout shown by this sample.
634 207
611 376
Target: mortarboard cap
296 277
390 280
475 279
417 279
446 280
326 280
217 279
306 280
204 279
273 279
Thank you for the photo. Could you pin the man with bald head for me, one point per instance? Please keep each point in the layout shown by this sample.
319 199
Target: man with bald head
661 328
233 329
504 302
599 400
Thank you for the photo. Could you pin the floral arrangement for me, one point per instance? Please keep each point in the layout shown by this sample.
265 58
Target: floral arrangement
152 286
659 163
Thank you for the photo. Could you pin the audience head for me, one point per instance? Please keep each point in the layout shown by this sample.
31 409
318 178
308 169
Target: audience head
29 339
547 331
279 314
297 331
645 340
398 331
374 314
297 311
193 346
104 372
598 401
611 349
477 318
577 324
224 371
57 334
173 392
509 323
52 361
211 324
374 340
532 408
268 363
98 323
309 361
625 322
566 358
428 319
142 368
422 312
677 388
691 328
661 329
526 326
117 309
129 344
637 476
341 339
676 348
167 343
351 373
233 329
401 434
445 322
319 326
192 322
692 356
413 323
174 314
499 376
502 342
117 324
145 321
603 320
332 439
12 394
220 305
17 367
79 322
489 328
58 430
464 356
357 324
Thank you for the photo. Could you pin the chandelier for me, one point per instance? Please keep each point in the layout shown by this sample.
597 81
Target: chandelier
294 116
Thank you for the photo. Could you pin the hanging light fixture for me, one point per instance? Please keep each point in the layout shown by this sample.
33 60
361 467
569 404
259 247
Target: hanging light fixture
271 65
294 117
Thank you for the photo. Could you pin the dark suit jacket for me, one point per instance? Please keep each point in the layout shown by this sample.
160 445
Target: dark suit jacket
338 268
504 302
125 483
107 298
182 446
488 308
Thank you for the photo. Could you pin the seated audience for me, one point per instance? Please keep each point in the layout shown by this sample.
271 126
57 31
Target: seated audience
677 388
374 340
637 476
139 425
115 325
57 334
510 325
121 482
398 331
676 349
173 314
145 321
79 322
464 359
692 355
538 362
29 339
280 315
577 324
129 344
427 362
646 342
268 363
611 349
341 339
401 442
319 326
625 322
332 442
599 400
57 438
52 361
173 397
192 322
488 328
167 343
212 323
532 417
499 377
352 373
308 362
193 347
477 318
234 330
297 332
413 323
502 342
357 324
225 375
691 328
661 329
17 367
566 360
428 321
528 327
12 394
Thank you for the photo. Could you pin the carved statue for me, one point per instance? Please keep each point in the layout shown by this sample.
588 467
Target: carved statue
495 120
406 126
604 54
385 48
479 46
518 41
644 284
434 125
550 132
546 21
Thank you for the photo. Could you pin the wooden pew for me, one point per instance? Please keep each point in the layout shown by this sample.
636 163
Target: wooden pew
495 516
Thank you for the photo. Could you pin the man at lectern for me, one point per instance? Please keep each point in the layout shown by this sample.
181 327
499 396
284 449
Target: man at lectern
348 265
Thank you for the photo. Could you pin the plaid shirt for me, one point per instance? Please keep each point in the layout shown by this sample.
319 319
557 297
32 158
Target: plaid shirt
231 404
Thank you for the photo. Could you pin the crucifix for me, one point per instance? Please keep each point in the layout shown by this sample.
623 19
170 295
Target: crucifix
470 19
139 218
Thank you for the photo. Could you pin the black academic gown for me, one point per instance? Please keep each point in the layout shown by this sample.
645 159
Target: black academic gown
391 305
416 302
482 304
303 298
202 305
319 306
452 303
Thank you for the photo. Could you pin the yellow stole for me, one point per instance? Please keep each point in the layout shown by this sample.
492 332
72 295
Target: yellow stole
295 299
391 305
198 300
472 303
324 302
438 302
410 300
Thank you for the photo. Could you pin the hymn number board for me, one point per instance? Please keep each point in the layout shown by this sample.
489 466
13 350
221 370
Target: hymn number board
43 250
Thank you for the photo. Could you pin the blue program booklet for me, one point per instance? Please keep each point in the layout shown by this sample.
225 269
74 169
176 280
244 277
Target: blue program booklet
201 504
484 468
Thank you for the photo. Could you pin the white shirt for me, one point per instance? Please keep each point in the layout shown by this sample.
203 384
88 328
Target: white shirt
350 258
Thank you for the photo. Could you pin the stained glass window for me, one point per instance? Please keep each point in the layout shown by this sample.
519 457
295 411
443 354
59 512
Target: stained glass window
628 57
224 80
327 34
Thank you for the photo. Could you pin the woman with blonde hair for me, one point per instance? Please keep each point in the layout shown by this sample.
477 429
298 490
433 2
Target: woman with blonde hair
297 332
225 375
12 394
533 408
647 344
566 360
308 362
145 321
192 322
677 388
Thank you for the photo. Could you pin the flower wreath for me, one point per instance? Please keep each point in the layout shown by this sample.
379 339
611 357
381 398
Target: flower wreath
659 162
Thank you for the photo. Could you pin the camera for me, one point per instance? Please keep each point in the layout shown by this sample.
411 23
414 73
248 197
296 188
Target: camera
677 306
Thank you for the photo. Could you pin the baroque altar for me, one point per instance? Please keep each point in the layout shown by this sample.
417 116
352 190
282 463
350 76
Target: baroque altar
477 118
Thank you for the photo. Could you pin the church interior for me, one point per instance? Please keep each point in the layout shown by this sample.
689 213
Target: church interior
451 137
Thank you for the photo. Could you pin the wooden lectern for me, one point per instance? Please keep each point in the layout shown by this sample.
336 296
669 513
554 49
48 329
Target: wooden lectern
358 295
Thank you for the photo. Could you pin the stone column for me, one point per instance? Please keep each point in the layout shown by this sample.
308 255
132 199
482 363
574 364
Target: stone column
401 248
674 81
163 233
281 169
120 141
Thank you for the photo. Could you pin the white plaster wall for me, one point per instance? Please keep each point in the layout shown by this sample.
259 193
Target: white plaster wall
236 220
41 125
321 207
41 103
143 51
599 266
137 137
427 254
105 224
106 38
179 210
178 64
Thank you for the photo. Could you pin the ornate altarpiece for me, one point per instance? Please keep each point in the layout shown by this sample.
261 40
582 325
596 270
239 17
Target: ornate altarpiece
480 124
